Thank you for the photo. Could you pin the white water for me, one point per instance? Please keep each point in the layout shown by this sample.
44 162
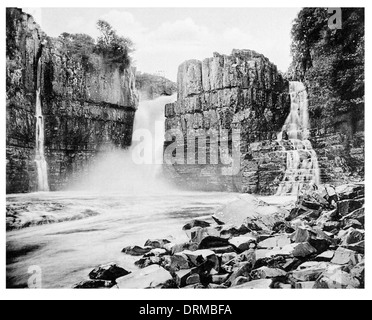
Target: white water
41 164
136 170
302 168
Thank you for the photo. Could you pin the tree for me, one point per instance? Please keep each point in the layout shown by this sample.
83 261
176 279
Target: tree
115 49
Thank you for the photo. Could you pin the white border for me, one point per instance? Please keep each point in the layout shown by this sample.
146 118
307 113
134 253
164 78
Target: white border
179 294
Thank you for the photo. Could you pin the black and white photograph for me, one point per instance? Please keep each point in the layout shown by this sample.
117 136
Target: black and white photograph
166 147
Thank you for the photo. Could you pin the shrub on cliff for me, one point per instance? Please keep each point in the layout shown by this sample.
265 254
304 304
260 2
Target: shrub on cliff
330 62
114 48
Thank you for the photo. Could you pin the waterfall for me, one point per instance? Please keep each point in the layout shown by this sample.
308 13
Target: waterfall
302 169
41 164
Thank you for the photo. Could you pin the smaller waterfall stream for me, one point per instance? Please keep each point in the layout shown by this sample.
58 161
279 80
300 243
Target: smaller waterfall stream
302 169
41 164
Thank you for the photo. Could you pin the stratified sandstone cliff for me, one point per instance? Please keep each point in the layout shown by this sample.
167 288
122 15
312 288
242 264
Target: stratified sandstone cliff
242 91
85 110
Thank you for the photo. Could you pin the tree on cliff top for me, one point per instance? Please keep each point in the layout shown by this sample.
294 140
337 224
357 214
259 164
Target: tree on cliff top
114 48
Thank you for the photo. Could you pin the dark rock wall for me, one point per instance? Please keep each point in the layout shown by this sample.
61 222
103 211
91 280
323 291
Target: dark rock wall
85 111
242 91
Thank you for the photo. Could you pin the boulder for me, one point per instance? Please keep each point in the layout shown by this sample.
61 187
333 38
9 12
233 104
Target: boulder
344 207
243 269
181 277
239 281
151 277
250 211
265 272
298 250
255 284
94 284
230 231
213 242
346 257
146 262
337 280
179 261
243 243
351 236
220 279
199 257
198 234
227 257
357 247
193 279
156 253
326 256
108 272
279 241
136 250
357 215
196 223
305 285
157 243
310 271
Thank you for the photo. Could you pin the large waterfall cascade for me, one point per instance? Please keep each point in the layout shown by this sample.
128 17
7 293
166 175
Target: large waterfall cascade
302 169
41 164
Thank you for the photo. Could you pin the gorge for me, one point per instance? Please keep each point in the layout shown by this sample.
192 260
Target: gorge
87 139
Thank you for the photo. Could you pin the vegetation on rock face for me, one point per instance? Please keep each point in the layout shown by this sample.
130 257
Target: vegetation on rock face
115 49
331 63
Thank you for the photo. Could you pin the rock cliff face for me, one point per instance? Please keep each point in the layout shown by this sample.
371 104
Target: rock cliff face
85 110
243 91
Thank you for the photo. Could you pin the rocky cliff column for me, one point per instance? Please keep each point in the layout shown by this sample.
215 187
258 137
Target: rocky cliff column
242 91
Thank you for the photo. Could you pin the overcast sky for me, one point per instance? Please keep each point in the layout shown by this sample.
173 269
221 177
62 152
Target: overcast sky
164 38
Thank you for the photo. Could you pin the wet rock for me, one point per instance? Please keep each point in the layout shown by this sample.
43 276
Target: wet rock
243 243
346 257
108 272
151 277
173 248
157 244
196 223
136 250
279 241
265 272
94 284
213 242
255 284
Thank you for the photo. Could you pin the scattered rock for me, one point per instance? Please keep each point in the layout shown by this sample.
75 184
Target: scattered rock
325 256
243 243
94 284
279 241
157 244
255 284
109 272
265 272
179 261
136 250
193 279
305 285
213 242
196 223
151 277
346 257
239 281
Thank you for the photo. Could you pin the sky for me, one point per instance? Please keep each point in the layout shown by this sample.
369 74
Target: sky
166 37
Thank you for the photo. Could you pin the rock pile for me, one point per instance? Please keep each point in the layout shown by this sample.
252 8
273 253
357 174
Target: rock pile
251 245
